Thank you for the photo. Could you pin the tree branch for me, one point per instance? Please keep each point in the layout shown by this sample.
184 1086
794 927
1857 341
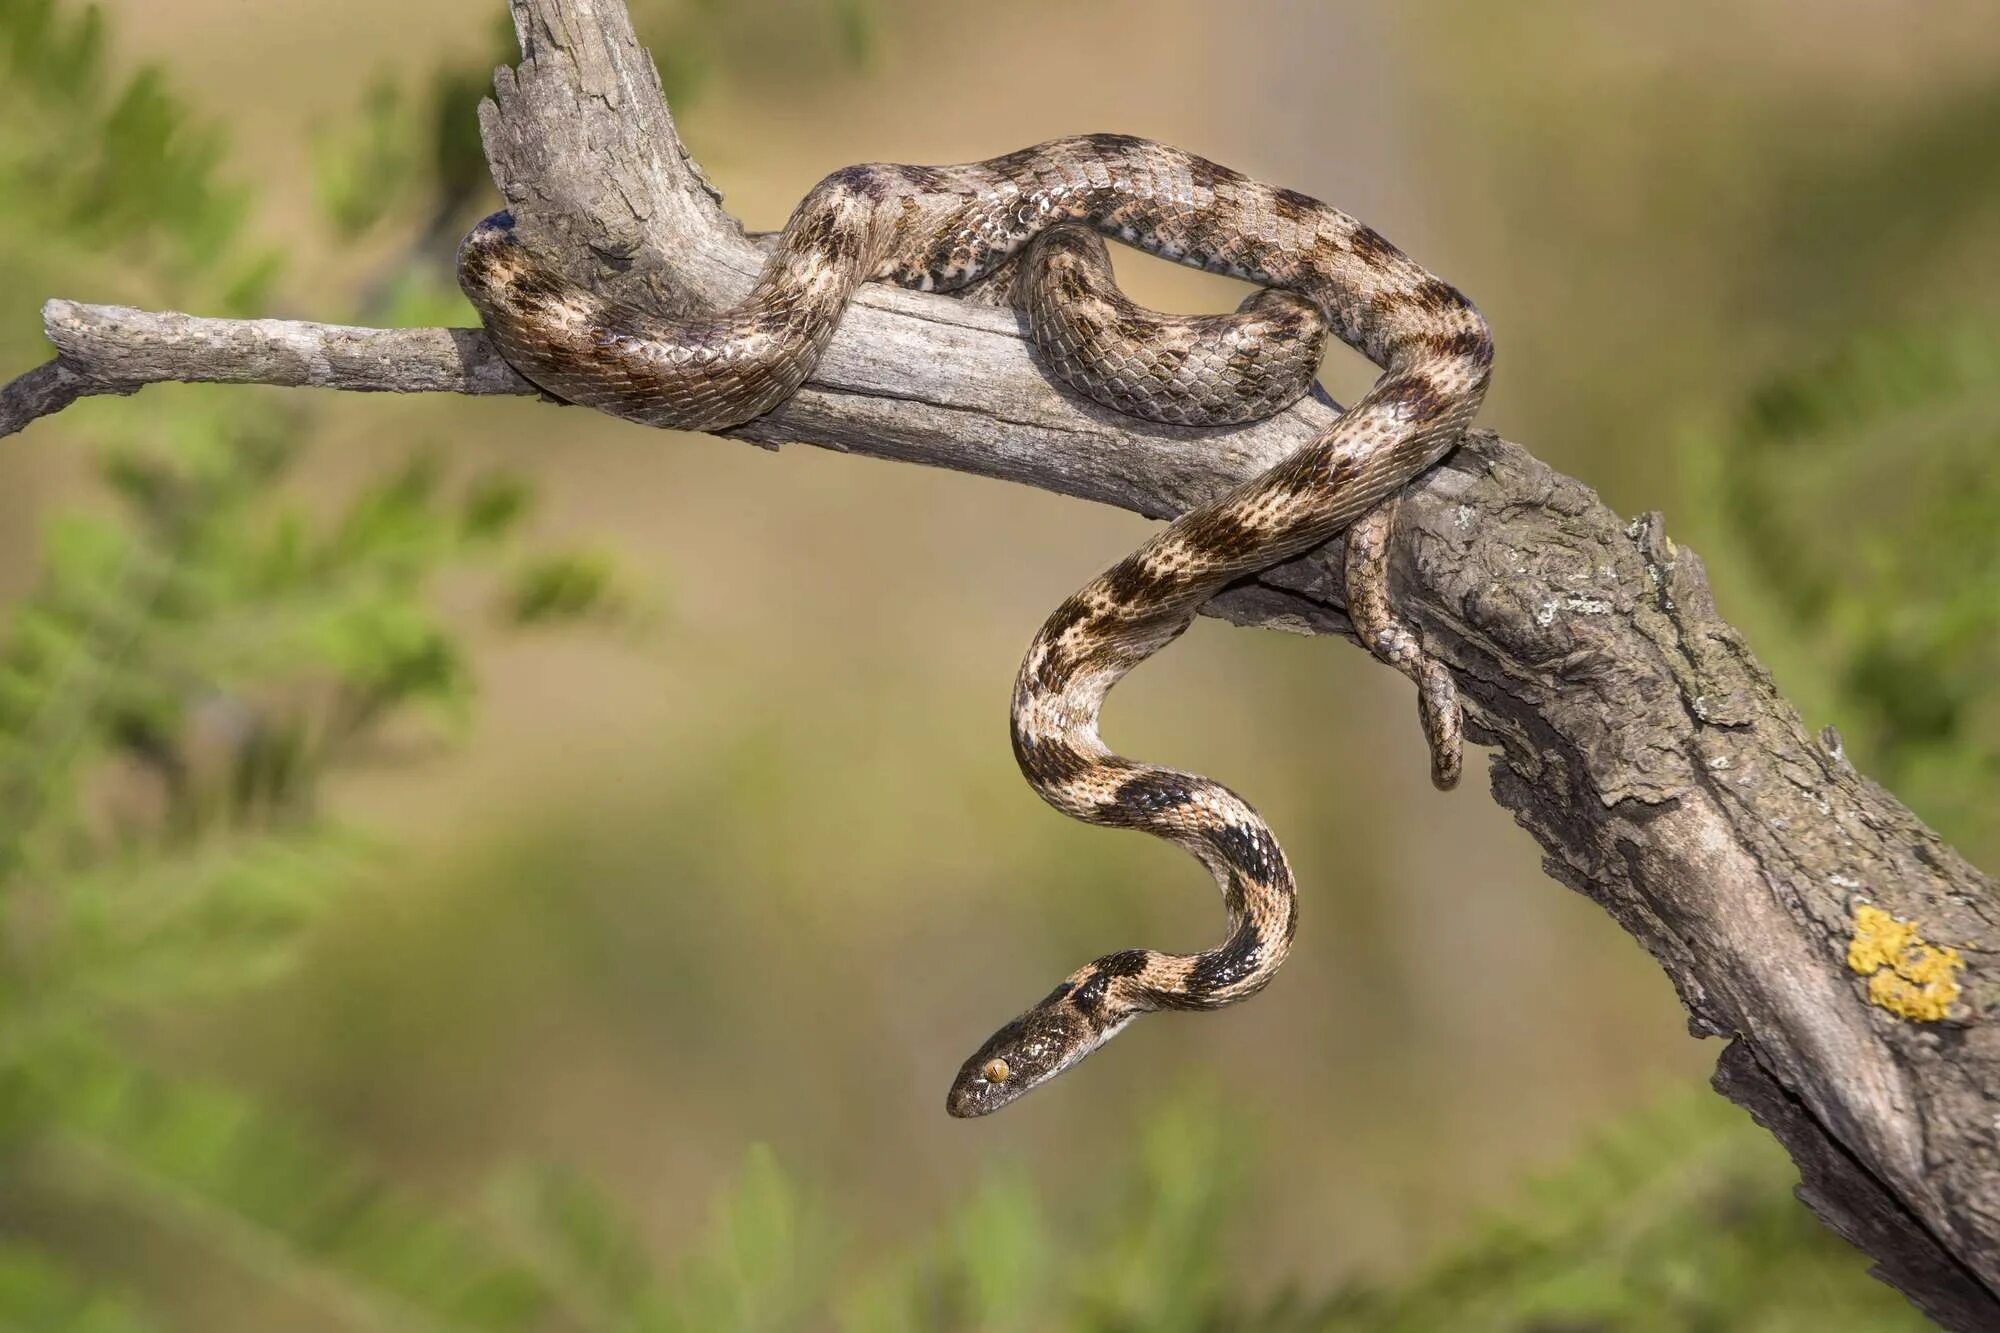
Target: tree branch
106 349
1638 739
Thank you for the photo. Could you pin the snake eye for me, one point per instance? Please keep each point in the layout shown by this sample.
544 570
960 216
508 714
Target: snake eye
996 1071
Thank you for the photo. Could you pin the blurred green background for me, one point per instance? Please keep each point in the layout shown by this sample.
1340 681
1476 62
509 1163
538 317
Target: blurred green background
475 865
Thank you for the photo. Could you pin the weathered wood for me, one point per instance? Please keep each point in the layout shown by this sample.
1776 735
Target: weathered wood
116 346
1637 738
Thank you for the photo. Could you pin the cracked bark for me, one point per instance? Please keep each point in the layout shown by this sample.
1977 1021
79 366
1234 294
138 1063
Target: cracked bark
1636 736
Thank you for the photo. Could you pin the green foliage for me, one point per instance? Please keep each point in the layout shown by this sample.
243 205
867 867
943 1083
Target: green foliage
196 656
1677 1218
1861 491
414 144
39 1295
1673 1218
257 1190
1895 208
567 586
854 23
138 928
113 167
212 606
582 1246
760 1267
362 170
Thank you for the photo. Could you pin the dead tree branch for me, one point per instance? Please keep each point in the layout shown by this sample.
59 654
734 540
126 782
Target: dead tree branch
1637 738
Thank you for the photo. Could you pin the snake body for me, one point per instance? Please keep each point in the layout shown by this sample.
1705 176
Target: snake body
943 228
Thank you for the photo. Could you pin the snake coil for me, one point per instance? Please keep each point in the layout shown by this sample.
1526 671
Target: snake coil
943 228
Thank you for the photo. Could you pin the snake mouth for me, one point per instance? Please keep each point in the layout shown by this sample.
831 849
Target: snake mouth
969 1101
985 1083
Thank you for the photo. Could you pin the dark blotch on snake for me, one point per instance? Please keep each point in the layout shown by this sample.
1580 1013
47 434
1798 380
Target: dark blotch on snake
1053 672
1222 968
1124 963
1117 144
1415 396
1136 579
1224 178
843 245
1048 758
1089 995
1435 296
1251 849
867 181
1293 207
1472 344
1020 159
1304 474
1221 537
1155 792
1075 609
1058 662
1371 246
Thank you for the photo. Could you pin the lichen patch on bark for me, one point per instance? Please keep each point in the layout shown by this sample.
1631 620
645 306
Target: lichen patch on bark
1907 975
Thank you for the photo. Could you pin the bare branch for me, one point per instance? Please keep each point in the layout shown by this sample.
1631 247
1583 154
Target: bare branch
114 349
45 391
1637 737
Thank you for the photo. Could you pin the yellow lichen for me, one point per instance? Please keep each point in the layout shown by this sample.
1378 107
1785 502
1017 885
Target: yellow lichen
1907 975
1879 939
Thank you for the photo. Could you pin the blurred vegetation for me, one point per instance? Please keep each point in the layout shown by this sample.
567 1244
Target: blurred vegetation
1673 1219
1861 490
203 652
1854 482
192 662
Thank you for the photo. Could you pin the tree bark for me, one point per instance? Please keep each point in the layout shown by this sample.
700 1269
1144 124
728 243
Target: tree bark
1636 737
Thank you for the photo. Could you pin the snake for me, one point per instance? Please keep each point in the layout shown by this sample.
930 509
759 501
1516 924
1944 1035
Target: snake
1037 219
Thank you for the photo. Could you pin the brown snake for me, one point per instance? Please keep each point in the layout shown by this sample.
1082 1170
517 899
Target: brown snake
943 228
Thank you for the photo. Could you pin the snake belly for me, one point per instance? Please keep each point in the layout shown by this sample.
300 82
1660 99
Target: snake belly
943 228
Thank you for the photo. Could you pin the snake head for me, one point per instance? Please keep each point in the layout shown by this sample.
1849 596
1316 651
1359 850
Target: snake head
1025 1054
